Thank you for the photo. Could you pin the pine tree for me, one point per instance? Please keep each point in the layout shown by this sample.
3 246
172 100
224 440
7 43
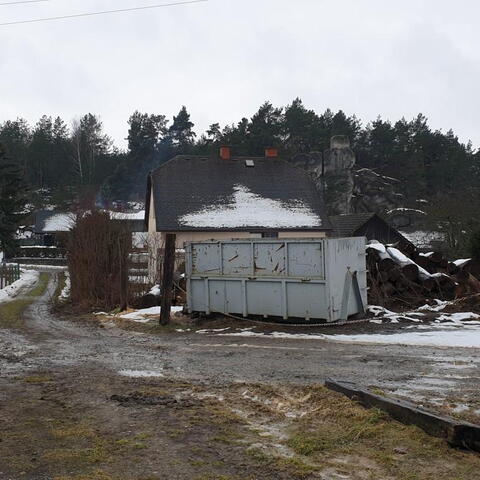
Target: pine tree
12 201
180 134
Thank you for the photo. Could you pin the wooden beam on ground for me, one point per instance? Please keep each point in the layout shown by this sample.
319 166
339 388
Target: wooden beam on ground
457 433
167 278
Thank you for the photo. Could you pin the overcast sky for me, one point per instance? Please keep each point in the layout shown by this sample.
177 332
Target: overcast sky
223 58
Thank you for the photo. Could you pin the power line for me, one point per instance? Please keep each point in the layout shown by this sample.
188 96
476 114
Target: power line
105 12
22 1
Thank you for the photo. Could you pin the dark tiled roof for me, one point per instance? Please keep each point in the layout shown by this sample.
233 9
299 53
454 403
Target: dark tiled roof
346 225
187 185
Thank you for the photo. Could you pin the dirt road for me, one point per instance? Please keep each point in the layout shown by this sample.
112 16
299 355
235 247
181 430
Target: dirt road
66 384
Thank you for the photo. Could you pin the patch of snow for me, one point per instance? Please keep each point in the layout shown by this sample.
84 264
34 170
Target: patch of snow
394 317
422 238
458 317
461 262
408 210
440 305
140 373
456 338
155 290
141 316
65 293
377 246
28 278
127 216
247 209
59 222
212 330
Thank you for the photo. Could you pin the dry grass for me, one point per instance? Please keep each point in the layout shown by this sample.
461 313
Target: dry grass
11 313
328 433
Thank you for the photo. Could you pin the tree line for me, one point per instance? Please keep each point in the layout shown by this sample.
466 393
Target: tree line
57 156
68 160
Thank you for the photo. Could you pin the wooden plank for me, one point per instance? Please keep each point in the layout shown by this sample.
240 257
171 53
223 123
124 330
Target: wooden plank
458 434
167 278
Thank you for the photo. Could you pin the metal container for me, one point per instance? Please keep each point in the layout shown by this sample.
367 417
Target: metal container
309 279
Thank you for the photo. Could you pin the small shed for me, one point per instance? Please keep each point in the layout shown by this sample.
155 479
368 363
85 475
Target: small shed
369 225
51 227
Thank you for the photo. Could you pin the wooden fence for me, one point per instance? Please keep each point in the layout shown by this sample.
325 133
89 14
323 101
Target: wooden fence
8 274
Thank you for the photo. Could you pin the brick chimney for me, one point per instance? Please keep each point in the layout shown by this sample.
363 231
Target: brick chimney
225 153
271 152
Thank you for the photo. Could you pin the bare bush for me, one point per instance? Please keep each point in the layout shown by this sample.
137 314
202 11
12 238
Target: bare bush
98 252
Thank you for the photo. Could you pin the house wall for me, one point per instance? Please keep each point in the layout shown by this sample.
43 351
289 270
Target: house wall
152 221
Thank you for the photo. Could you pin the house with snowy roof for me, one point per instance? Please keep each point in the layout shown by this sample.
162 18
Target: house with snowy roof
52 224
224 197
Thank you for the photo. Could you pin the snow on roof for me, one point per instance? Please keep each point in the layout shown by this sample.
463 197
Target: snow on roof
406 210
423 238
246 209
128 216
59 222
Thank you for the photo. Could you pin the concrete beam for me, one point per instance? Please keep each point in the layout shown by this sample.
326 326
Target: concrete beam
458 434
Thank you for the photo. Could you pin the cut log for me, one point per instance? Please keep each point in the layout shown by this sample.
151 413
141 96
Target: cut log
386 264
452 269
410 272
394 274
436 257
428 284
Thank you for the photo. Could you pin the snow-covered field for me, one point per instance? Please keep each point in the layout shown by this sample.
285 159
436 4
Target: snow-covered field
27 280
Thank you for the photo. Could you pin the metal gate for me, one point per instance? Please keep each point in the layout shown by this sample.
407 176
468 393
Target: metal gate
308 279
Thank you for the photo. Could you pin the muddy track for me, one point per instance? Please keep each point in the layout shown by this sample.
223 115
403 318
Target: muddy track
49 341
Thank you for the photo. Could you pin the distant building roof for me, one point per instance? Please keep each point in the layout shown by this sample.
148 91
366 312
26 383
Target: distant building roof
369 225
347 225
240 193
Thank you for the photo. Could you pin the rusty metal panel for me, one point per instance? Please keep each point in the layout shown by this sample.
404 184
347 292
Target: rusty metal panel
205 258
270 259
236 258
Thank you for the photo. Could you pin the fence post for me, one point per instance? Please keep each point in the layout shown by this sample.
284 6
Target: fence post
167 278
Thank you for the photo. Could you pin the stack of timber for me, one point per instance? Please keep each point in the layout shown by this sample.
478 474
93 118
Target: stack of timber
402 276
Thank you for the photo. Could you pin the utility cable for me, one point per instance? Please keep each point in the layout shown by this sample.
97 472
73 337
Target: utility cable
105 12
18 2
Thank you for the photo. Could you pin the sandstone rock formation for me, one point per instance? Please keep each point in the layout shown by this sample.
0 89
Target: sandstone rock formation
345 188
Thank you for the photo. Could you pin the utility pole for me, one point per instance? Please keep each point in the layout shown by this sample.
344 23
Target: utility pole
167 278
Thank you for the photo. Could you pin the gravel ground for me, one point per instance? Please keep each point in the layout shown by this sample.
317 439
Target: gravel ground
47 341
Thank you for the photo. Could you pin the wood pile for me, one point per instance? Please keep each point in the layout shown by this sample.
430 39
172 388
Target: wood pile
402 276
